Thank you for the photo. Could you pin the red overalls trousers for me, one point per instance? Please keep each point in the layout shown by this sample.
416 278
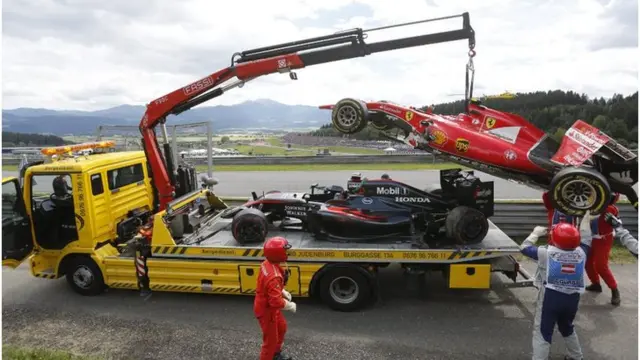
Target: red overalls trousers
598 260
267 309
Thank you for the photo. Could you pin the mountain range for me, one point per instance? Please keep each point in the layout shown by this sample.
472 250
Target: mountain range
249 115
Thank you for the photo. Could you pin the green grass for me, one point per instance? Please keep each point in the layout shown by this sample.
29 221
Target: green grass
10 352
268 150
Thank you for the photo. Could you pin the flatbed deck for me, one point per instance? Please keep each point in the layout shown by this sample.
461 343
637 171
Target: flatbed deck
217 242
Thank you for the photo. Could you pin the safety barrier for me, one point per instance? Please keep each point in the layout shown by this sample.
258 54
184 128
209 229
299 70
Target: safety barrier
517 218
315 159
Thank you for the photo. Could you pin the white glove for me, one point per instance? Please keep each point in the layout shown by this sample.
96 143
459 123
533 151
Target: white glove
286 295
539 231
290 306
585 224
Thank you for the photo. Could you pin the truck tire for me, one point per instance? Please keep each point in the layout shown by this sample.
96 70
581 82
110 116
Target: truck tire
249 226
349 116
345 288
574 191
466 226
84 276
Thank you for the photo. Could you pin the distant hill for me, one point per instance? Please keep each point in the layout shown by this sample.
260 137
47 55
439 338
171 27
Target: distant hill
265 114
12 139
552 111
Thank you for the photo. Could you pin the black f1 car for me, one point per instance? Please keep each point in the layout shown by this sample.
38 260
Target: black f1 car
372 210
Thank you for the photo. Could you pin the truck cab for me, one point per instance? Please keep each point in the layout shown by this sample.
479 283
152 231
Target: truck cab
71 205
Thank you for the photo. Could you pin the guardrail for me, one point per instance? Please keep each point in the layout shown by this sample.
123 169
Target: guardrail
517 218
315 159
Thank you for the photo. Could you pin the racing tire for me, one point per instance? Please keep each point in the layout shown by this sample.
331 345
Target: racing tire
84 276
345 288
249 226
466 226
349 116
574 191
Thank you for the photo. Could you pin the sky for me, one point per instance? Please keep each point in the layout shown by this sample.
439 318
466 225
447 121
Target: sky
95 54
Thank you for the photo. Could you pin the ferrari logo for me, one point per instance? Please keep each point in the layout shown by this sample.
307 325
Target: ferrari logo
462 145
408 115
439 137
491 122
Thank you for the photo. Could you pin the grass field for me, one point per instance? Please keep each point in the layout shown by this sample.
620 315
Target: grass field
10 352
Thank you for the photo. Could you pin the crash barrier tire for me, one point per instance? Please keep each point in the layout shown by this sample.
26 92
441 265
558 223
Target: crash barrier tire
84 276
249 226
349 116
345 288
580 184
466 225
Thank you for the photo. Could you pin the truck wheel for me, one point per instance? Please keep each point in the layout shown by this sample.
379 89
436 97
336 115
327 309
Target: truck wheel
249 226
344 289
574 191
85 277
349 116
466 226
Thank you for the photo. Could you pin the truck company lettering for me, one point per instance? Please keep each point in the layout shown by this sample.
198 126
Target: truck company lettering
227 252
314 254
351 254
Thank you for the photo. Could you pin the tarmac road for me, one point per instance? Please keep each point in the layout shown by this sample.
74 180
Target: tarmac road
241 183
408 323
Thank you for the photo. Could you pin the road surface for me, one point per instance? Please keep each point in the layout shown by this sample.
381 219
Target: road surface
410 322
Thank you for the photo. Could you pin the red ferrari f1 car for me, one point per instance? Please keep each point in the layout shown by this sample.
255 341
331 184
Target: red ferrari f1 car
582 173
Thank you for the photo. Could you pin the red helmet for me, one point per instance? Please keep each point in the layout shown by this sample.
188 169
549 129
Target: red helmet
565 236
275 249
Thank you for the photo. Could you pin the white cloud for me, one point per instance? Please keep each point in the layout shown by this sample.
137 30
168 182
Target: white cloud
97 54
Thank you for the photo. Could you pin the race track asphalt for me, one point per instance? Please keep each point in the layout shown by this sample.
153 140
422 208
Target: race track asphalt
410 322
241 183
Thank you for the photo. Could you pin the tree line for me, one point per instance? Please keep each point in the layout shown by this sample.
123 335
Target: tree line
15 139
551 111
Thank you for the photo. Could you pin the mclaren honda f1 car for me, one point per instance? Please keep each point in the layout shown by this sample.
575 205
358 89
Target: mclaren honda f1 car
375 210
582 172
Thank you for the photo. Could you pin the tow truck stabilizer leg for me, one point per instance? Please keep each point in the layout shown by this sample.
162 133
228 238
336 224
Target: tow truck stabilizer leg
143 250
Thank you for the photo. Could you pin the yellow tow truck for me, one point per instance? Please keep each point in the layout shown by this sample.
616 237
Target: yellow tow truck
78 217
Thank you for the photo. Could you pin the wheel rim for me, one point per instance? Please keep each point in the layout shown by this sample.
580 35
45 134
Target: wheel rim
250 232
580 194
83 277
344 290
347 117
473 229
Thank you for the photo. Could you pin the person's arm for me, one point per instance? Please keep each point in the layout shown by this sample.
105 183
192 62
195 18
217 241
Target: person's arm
276 299
546 201
528 247
586 235
622 234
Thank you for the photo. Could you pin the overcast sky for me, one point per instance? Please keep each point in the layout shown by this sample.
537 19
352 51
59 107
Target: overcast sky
75 54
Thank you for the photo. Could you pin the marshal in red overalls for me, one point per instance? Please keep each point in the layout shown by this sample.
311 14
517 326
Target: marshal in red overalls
598 258
271 298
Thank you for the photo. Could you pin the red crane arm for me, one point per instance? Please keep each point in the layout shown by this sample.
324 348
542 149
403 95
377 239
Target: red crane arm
248 65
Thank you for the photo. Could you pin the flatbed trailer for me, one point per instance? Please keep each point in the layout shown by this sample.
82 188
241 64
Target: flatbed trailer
342 274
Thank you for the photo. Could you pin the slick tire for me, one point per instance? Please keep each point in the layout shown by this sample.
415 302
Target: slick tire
576 191
84 276
349 116
345 288
466 226
249 226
